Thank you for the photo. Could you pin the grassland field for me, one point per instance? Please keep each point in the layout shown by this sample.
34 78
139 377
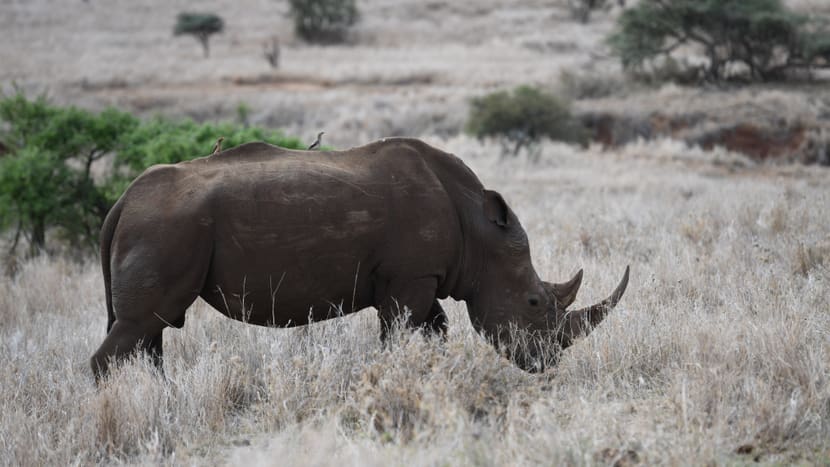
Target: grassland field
719 353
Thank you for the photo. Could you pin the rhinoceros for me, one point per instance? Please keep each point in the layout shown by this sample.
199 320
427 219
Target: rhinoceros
276 237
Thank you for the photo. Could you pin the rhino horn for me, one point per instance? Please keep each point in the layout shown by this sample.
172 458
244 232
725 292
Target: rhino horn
565 292
582 321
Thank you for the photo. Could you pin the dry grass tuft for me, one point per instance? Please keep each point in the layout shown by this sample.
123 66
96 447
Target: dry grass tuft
807 258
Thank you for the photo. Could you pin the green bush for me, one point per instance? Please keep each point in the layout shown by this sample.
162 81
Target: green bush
36 192
522 117
323 21
764 36
162 141
199 25
46 179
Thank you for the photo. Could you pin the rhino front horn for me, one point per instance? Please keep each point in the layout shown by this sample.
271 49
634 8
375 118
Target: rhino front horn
582 321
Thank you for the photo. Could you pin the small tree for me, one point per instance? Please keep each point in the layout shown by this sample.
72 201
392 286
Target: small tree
35 188
522 117
762 35
46 180
323 21
199 25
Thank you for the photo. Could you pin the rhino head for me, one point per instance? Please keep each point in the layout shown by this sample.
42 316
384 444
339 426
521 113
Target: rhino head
509 296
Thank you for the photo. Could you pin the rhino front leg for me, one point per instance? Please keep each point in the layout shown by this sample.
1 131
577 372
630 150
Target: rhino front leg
417 296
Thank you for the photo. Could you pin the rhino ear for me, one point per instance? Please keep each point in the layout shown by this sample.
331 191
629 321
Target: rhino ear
496 209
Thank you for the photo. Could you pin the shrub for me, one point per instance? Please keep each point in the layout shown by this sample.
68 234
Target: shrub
522 117
323 21
761 35
36 189
46 179
162 141
199 25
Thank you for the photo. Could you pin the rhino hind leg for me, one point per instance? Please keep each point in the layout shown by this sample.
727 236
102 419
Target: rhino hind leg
124 339
417 296
155 277
142 314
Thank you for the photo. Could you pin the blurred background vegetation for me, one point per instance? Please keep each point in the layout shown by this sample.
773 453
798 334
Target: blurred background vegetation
199 25
63 167
764 39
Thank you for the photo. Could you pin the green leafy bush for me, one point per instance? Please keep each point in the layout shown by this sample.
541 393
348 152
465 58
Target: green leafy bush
47 182
199 25
164 141
36 190
323 21
522 117
763 36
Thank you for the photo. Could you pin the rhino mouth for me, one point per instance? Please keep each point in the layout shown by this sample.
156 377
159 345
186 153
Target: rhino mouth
531 351
538 350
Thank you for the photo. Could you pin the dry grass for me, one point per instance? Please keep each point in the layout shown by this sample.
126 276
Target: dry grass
718 353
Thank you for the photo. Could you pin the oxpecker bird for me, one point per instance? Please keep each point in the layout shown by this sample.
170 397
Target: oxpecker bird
217 148
316 143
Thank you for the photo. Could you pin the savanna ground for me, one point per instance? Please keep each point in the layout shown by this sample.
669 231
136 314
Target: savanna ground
718 353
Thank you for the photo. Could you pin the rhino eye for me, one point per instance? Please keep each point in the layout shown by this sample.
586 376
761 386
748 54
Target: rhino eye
533 301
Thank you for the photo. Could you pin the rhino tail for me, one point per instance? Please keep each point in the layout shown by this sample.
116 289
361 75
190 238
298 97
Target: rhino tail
107 232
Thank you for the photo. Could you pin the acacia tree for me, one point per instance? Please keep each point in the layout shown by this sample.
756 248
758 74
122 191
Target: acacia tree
763 35
47 183
199 25
46 178
323 21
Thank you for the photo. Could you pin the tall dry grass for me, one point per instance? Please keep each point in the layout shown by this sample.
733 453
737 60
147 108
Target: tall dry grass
719 352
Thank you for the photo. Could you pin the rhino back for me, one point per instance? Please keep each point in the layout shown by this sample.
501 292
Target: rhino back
322 225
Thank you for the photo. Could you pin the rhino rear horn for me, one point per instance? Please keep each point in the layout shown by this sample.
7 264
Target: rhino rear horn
565 292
